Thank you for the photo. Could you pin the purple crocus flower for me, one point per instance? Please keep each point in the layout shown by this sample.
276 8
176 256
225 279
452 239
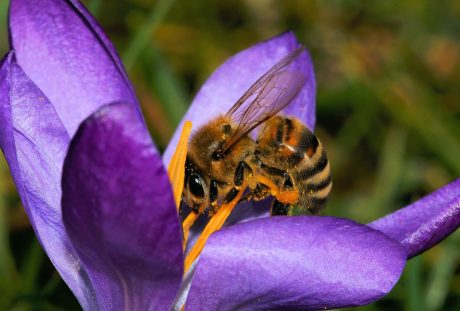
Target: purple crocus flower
99 199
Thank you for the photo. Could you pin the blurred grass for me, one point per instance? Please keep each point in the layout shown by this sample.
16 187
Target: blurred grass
388 111
141 37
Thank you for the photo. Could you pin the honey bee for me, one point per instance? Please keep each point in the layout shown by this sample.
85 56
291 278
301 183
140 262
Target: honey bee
286 160
297 163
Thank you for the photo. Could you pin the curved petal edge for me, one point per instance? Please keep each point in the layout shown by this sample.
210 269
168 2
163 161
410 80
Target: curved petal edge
65 53
119 212
295 263
426 222
34 142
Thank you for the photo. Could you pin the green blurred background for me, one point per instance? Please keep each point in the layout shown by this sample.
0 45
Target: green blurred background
388 111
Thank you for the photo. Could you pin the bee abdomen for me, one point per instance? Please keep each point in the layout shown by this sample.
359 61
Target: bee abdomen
318 186
308 143
297 140
318 191
314 195
314 204
319 166
315 183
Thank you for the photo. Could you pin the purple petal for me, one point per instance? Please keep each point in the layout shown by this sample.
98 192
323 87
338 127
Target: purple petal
244 211
234 77
425 223
119 212
302 263
34 142
63 50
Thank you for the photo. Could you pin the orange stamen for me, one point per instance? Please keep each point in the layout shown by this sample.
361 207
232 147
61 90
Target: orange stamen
187 224
176 168
176 173
215 223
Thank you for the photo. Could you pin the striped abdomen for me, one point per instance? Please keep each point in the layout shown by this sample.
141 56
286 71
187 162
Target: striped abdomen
287 144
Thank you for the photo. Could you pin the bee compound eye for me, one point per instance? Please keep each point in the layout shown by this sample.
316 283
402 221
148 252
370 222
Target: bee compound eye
196 186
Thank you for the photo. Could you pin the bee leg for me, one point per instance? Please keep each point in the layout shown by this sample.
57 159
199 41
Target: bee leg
195 209
238 181
230 195
277 172
287 184
213 192
272 170
260 192
239 173
287 181
279 209
285 194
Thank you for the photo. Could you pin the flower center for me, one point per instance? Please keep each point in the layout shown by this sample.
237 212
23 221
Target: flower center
176 173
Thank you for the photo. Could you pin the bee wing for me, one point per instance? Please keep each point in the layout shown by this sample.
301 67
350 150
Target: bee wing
266 97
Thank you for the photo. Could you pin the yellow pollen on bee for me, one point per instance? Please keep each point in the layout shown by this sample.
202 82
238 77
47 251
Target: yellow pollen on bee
288 197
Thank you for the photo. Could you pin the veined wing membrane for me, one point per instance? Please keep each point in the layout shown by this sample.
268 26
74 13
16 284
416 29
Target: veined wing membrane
267 96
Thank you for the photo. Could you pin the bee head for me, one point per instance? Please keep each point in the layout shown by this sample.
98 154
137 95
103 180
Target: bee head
196 190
